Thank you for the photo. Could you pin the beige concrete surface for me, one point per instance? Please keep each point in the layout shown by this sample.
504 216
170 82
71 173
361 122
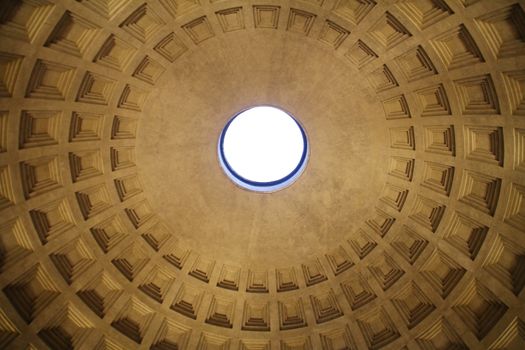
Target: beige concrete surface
118 228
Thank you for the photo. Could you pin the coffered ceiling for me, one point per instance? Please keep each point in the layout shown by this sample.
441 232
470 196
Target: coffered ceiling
119 229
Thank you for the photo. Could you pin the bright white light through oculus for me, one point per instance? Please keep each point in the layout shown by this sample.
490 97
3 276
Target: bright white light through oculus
263 144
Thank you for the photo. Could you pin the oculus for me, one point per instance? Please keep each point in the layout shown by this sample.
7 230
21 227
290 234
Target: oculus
263 149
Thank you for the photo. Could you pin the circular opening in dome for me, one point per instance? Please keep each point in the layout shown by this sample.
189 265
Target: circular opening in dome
263 149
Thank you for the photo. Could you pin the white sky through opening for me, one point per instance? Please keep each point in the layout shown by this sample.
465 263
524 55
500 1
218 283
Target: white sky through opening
263 144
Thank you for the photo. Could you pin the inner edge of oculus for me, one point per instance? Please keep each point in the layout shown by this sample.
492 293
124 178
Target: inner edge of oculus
257 186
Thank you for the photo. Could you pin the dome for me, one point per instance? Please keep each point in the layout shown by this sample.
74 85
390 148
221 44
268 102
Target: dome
120 229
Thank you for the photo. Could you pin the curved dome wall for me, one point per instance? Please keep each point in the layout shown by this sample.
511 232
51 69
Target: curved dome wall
119 230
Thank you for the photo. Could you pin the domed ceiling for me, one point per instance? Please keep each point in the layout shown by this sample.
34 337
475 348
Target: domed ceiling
120 230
